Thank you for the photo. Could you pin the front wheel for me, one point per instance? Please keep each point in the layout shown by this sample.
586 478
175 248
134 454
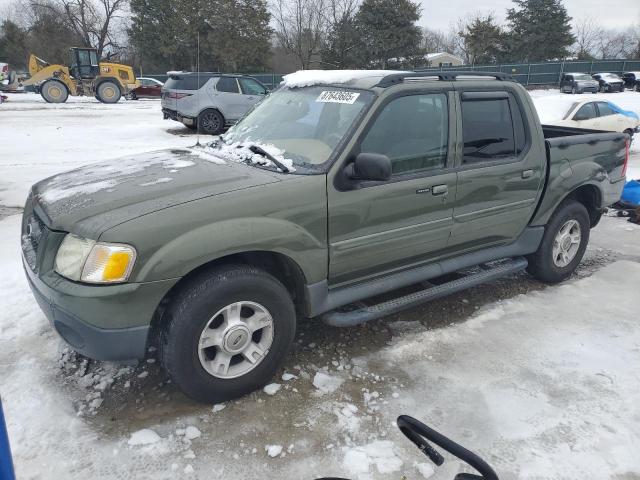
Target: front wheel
563 244
108 92
226 333
54 91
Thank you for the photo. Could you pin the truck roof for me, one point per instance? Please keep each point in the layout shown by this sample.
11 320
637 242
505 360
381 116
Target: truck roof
367 79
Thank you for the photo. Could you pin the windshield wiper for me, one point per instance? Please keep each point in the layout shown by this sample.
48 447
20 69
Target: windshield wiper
261 151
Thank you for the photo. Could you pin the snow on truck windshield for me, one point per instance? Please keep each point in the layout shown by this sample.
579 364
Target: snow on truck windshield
306 124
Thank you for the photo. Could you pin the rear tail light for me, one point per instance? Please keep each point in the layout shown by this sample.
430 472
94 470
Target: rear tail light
626 156
178 96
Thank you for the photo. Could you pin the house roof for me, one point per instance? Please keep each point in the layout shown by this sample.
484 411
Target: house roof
435 55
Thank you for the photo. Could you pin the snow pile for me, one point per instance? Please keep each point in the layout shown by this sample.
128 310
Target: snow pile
306 78
273 450
146 436
272 388
240 152
554 107
326 383
380 454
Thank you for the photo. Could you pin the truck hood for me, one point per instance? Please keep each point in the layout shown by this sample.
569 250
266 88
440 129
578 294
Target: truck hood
89 200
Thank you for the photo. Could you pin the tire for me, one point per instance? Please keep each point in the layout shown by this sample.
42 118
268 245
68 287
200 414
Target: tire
543 264
629 132
131 96
573 90
54 91
108 92
201 307
211 122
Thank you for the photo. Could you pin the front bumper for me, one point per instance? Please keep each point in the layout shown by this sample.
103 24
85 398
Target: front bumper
101 322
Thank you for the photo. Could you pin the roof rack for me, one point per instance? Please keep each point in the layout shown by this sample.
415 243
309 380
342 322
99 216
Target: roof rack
395 78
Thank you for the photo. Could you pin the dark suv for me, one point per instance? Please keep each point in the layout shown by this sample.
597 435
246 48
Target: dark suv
578 83
632 80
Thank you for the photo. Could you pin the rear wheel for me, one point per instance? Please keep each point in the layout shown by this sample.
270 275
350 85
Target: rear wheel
108 92
563 244
211 122
54 91
227 332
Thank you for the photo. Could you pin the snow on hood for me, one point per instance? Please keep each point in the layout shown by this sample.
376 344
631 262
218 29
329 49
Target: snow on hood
553 107
240 152
306 78
104 176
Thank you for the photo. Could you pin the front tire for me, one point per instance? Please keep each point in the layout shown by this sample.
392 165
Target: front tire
226 333
563 245
108 92
54 91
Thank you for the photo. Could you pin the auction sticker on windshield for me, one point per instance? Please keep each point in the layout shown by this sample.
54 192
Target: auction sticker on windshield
337 96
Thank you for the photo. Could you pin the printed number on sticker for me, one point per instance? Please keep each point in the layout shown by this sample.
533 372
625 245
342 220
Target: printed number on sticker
337 96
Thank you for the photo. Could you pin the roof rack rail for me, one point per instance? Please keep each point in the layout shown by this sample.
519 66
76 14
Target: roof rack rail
395 78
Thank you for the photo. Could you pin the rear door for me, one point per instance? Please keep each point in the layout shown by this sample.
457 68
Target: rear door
500 168
609 119
381 226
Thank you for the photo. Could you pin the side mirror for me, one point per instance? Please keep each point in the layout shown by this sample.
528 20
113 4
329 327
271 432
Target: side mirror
370 166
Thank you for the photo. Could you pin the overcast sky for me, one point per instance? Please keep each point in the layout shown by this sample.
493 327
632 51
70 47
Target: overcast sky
440 14
609 13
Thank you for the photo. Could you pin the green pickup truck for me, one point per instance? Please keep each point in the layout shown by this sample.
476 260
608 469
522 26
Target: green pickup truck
338 187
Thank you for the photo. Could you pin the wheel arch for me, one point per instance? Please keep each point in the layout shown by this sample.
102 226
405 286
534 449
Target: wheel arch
590 197
282 267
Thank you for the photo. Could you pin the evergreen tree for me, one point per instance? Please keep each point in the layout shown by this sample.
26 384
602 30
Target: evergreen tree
539 30
234 34
389 33
342 45
13 49
483 40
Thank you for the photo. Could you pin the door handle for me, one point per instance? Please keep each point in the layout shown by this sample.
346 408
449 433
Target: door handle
527 173
439 190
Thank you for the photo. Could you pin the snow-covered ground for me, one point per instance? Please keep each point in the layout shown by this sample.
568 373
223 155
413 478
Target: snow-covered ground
541 381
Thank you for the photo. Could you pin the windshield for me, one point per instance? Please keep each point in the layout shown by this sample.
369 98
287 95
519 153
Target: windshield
305 124
582 76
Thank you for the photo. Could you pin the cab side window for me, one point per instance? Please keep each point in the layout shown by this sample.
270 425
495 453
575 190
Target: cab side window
586 112
491 129
413 131
227 84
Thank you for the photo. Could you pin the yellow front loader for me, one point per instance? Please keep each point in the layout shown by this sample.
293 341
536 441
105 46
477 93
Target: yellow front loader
85 76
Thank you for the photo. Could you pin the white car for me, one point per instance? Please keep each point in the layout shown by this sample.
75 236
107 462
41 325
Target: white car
598 115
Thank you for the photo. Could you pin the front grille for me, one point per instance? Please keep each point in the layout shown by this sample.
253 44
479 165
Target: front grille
34 234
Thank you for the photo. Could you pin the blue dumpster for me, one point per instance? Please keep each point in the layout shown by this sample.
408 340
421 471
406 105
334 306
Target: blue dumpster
6 463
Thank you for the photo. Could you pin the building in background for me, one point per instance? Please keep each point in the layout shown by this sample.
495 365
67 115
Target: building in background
443 59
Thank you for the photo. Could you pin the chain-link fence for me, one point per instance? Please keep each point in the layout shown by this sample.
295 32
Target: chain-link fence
546 73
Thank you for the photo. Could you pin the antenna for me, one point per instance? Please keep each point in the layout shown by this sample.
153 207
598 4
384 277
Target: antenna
198 95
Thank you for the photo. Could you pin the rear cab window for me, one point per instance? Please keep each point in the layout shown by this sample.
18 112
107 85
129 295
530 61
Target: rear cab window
492 127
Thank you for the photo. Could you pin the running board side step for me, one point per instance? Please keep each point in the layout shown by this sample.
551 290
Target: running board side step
337 318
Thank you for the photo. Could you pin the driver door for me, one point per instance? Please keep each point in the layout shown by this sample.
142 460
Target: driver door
381 226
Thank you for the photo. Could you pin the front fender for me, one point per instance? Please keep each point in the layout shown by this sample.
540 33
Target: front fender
192 249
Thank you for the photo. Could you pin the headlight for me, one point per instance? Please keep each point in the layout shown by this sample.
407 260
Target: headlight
85 260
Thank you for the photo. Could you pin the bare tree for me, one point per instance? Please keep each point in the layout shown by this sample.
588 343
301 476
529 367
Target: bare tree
435 41
300 27
586 31
92 20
